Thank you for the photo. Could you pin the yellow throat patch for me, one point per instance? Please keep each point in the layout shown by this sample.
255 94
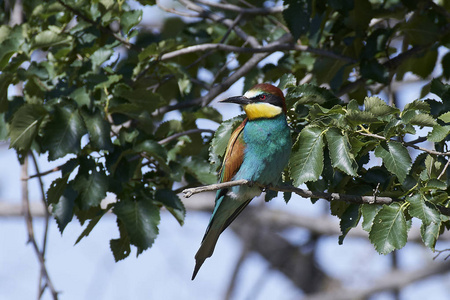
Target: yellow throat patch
261 110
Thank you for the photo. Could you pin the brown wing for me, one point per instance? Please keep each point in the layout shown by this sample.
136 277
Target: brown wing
234 154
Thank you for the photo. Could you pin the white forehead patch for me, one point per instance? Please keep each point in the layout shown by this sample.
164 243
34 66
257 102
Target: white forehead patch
252 93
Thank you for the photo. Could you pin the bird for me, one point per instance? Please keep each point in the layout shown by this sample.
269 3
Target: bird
258 150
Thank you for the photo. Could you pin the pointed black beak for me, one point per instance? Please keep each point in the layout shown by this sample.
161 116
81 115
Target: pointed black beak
238 100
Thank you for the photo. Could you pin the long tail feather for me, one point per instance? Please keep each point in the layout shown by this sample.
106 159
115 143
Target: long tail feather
226 211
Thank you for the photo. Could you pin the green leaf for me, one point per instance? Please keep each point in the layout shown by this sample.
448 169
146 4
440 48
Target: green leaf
155 150
349 219
440 89
378 107
63 133
130 19
98 128
360 117
445 117
91 187
438 133
120 247
369 211
417 105
430 234
141 98
25 126
423 209
340 153
306 162
49 38
140 219
436 184
395 158
209 113
310 94
416 117
389 229
172 202
99 57
372 69
425 64
63 210
57 189
200 169
287 80
5 81
297 16
89 227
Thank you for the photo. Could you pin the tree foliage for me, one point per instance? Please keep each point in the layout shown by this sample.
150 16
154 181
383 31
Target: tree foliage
98 87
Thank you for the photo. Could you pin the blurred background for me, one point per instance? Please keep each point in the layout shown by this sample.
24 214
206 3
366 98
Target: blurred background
272 251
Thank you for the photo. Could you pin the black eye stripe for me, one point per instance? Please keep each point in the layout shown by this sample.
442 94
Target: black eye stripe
269 98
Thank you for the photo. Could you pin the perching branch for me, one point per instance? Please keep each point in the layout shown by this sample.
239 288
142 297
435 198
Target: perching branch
301 192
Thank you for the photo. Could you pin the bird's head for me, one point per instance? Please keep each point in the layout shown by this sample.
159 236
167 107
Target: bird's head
261 101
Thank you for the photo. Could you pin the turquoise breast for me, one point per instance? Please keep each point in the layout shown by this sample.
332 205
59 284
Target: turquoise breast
268 147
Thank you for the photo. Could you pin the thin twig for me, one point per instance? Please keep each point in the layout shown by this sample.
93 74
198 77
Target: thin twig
269 48
187 132
102 28
301 192
31 239
241 10
47 219
444 170
439 252
56 169
412 145
174 11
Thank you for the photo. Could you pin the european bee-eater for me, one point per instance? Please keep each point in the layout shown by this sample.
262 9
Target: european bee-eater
258 151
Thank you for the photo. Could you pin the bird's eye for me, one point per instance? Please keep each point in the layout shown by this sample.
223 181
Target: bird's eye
262 97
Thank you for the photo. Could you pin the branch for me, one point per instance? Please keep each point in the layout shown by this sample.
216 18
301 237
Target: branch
394 63
31 239
47 219
301 192
102 28
409 144
187 132
38 174
241 10
220 19
272 48
297 265
393 280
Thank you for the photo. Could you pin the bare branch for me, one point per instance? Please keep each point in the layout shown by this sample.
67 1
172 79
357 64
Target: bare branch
220 19
56 169
102 28
31 239
393 280
242 10
269 48
444 170
42 279
301 192
187 132
412 145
